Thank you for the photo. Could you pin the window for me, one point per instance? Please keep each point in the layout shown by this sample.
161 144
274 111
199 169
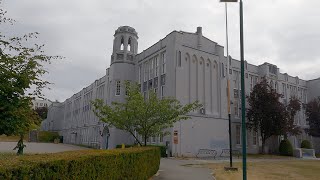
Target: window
156 91
163 58
156 73
179 59
139 75
236 109
129 48
251 82
230 71
41 104
127 90
161 138
118 86
254 138
246 75
150 69
162 91
238 135
145 71
222 70
122 46
153 139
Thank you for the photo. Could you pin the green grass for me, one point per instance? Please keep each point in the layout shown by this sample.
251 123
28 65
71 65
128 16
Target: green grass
275 170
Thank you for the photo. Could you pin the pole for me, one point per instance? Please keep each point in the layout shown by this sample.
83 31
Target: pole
243 107
228 86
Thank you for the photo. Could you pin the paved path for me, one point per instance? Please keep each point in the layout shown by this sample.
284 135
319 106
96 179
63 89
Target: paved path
39 147
176 169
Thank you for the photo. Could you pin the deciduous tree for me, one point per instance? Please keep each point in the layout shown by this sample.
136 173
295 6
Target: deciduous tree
313 117
148 117
266 114
21 67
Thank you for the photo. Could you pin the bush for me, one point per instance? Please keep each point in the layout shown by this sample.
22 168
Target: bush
306 144
162 148
285 148
46 136
135 163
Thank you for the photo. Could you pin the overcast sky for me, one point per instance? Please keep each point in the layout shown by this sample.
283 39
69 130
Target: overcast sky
282 32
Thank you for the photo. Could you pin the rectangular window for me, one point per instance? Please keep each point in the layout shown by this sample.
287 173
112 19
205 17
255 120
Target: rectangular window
251 82
156 67
236 109
139 75
118 86
153 139
161 138
238 134
145 71
163 59
230 71
162 91
254 138
150 69
156 91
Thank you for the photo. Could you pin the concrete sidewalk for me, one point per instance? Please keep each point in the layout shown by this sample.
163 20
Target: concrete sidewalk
177 169
39 147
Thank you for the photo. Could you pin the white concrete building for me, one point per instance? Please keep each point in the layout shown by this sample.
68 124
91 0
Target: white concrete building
189 67
38 103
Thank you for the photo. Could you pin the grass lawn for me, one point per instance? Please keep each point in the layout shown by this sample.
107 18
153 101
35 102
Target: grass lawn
275 170
4 138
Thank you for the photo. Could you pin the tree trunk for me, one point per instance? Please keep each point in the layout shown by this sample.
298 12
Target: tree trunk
145 140
263 144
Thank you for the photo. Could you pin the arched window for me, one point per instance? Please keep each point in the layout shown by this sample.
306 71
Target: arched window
129 45
122 44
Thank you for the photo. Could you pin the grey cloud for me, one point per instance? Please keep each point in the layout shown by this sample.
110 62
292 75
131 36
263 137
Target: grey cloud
283 32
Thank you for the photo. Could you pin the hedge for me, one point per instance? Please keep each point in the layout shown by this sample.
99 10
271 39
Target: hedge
47 136
135 163
162 148
285 148
306 144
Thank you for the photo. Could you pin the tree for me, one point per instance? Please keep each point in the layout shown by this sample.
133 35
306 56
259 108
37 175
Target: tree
21 67
266 114
42 112
146 117
292 108
313 117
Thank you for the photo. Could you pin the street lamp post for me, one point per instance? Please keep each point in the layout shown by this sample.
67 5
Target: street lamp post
243 105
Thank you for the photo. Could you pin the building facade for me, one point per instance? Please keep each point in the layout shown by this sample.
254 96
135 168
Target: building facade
188 67
39 103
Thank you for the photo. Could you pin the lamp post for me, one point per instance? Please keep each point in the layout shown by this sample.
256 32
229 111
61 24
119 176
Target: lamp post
243 105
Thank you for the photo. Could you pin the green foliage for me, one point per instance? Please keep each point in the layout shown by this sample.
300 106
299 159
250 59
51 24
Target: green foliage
306 144
135 163
313 117
146 117
21 68
161 147
47 136
285 148
42 112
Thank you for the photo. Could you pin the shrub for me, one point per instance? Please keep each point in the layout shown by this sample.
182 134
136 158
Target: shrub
135 163
162 148
285 148
306 144
46 136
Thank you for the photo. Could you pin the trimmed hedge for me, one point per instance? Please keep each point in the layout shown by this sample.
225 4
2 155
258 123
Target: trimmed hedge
47 136
162 148
135 163
285 148
306 144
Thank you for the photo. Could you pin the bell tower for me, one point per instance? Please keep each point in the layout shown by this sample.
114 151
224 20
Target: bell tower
122 68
